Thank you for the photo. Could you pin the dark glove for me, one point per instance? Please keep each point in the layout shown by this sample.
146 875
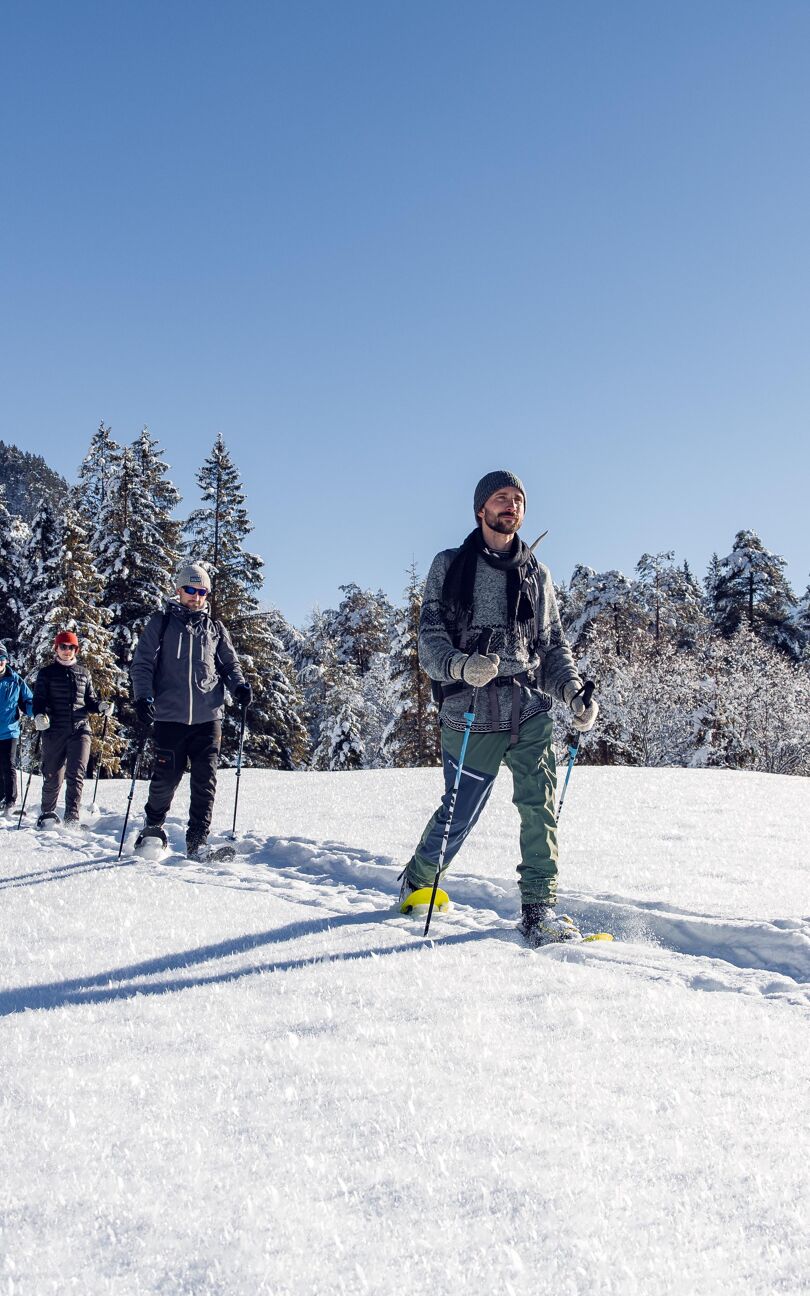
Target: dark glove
243 695
145 710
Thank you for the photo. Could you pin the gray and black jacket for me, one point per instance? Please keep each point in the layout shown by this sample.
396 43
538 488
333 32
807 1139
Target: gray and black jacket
540 660
188 671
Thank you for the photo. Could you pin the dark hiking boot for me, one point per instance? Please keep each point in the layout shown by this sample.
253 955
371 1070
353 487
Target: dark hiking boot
542 925
48 820
151 840
197 843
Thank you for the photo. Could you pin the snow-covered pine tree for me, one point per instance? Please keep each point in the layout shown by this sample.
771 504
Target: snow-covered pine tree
97 472
379 703
653 571
70 598
28 479
115 530
40 589
801 621
604 603
214 536
340 744
412 737
159 497
364 626
314 649
751 590
710 583
332 699
137 543
275 734
10 577
671 599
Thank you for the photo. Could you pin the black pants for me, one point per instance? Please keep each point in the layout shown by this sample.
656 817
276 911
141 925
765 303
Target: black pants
8 772
65 753
174 745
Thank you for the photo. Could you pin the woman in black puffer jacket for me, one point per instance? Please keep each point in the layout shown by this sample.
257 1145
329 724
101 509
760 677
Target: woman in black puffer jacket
63 700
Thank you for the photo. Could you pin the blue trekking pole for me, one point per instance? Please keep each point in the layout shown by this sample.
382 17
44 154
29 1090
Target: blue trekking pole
573 748
469 717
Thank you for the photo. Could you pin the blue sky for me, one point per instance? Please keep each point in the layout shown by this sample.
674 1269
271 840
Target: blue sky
386 247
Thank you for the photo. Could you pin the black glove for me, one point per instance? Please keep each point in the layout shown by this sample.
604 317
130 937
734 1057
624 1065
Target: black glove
145 710
243 695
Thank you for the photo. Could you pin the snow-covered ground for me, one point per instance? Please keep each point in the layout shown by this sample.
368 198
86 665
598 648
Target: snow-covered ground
258 1078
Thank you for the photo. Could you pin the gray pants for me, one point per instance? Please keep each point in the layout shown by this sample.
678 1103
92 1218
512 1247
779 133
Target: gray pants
65 753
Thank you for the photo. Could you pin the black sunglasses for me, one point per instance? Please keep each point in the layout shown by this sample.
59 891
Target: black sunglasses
192 589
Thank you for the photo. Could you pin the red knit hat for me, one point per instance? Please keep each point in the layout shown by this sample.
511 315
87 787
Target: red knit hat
66 637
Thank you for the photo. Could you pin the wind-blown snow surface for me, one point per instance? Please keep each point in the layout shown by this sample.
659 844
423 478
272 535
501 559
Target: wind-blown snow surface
258 1078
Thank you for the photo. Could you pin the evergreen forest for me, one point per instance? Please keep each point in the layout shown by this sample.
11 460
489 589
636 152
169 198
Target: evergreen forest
709 671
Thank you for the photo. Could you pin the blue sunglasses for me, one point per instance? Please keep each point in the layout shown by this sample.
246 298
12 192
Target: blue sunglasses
192 589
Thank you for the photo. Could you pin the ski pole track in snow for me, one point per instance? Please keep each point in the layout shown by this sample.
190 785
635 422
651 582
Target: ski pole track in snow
771 959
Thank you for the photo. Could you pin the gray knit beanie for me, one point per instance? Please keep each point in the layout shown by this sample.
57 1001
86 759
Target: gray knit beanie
193 573
492 482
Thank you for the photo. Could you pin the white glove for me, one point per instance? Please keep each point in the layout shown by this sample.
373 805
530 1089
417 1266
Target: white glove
476 669
583 717
42 722
105 708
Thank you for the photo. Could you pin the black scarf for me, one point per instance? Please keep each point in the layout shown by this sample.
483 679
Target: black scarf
521 583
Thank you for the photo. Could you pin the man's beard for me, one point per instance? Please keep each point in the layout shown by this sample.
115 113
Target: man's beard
501 524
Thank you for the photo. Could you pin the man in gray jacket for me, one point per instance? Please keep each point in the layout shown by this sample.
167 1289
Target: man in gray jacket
181 666
492 594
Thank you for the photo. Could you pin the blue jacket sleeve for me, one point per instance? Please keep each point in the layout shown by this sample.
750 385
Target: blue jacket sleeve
26 698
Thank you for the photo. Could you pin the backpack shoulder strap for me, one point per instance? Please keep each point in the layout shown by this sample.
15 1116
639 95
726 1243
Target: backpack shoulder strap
220 632
166 618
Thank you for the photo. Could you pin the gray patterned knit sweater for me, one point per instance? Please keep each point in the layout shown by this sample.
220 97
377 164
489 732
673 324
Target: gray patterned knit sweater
545 651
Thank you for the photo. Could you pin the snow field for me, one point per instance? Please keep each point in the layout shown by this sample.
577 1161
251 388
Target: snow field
253 1078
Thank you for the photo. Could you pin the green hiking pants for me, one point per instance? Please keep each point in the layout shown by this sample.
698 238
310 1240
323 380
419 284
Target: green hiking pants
534 780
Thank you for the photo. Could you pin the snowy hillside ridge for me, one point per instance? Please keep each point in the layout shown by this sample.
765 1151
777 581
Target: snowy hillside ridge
257 1077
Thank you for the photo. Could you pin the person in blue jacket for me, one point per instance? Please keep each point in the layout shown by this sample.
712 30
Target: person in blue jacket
15 695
